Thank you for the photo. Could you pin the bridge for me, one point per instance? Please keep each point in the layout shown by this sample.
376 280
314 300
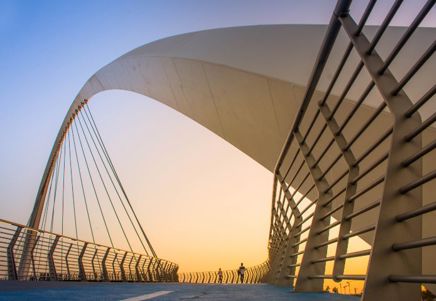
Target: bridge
342 115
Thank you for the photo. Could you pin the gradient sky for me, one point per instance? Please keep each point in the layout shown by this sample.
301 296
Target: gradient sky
210 202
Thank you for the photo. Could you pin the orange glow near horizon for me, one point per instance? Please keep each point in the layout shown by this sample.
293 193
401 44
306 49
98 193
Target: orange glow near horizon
203 203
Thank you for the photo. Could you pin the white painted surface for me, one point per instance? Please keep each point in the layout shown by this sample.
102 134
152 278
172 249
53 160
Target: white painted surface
148 296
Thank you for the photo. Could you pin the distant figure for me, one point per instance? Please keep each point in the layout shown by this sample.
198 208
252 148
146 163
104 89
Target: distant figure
220 276
241 272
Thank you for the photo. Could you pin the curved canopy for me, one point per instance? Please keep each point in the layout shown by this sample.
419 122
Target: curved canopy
245 84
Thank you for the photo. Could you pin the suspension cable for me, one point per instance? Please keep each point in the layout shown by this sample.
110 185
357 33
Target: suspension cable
102 181
72 190
61 153
64 145
56 180
83 193
47 203
88 110
93 186
110 177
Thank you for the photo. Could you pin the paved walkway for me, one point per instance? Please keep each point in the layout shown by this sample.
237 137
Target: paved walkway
35 291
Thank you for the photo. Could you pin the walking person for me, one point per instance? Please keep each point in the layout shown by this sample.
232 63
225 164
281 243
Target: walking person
220 276
241 272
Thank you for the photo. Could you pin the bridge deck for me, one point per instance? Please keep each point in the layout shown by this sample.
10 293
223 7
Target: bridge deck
11 290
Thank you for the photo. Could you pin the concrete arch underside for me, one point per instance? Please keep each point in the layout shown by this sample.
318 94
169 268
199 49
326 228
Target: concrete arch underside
244 84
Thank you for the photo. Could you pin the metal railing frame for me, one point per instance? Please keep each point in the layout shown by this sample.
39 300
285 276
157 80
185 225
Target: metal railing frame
400 201
254 274
60 257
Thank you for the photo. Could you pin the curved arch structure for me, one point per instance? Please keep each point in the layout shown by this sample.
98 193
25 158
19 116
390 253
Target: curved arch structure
247 85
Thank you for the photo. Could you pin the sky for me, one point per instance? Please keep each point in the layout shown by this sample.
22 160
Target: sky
210 202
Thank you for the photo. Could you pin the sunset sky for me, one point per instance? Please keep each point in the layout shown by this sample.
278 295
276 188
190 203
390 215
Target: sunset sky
203 203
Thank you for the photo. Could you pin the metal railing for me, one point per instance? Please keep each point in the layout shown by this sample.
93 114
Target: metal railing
59 257
353 180
254 274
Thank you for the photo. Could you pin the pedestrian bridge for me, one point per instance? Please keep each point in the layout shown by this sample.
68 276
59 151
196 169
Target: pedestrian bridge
342 115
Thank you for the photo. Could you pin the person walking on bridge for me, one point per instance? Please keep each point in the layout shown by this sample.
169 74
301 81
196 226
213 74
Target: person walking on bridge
241 272
220 276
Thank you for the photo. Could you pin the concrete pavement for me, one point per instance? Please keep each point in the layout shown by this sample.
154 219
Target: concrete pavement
51 290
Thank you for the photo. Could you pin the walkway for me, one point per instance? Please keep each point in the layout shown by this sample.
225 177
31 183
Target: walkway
36 291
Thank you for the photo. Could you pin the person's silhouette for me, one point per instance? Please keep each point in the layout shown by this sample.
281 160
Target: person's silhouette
220 276
241 272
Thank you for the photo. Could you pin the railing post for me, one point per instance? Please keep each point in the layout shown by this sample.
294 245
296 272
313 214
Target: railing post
32 254
157 269
348 206
66 261
163 271
93 264
169 268
144 270
115 273
233 277
51 263
287 270
176 275
138 273
255 271
149 269
103 265
167 273
12 267
130 276
82 272
141 270
123 272
309 268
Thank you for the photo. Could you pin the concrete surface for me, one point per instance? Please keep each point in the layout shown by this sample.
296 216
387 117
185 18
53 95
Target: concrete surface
35 291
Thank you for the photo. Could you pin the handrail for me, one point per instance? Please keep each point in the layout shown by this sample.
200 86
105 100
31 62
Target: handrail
61 257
